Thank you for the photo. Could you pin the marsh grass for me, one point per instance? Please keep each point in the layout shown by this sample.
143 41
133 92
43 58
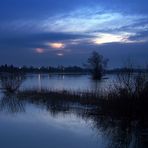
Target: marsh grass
84 98
10 82
128 96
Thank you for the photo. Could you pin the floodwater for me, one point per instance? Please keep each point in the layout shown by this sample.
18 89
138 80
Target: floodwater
48 124
66 82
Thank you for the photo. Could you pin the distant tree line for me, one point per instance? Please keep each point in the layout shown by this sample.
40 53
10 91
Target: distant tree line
49 69
96 66
60 69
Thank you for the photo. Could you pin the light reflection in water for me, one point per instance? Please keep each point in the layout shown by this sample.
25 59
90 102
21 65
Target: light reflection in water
52 123
43 124
39 82
66 82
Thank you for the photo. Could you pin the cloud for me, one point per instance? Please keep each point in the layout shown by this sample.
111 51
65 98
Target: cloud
140 36
117 53
39 50
91 19
37 39
104 38
26 45
57 45
66 30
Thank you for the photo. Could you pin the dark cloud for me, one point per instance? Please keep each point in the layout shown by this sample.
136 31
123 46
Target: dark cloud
27 41
36 9
29 24
117 53
140 36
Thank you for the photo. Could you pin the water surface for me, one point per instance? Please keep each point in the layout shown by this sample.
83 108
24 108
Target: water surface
25 124
39 123
66 82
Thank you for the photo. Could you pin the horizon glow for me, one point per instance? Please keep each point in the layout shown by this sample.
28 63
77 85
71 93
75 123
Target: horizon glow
56 28
57 45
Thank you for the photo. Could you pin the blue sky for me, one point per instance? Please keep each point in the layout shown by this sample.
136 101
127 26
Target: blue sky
49 32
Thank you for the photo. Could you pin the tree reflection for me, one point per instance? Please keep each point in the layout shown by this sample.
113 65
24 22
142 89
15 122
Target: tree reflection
11 103
96 85
120 132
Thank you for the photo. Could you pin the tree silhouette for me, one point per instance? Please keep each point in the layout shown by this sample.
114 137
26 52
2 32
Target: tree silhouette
97 64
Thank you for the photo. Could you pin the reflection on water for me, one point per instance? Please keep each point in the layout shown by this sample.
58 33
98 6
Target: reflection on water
53 123
67 82
39 82
43 124
10 103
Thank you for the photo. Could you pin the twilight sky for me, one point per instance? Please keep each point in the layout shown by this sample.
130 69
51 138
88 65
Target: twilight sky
52 32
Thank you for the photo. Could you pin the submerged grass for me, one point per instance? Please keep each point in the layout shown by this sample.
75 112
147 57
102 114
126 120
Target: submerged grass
84 98
127 99
116 102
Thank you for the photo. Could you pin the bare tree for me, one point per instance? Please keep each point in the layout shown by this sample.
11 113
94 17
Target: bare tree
131 82
10 82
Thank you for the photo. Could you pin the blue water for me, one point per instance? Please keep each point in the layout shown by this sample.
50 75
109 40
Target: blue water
66 82
33 126
46 124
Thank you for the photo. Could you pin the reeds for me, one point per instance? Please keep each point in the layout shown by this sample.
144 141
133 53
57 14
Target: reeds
10 82
85 98
128 97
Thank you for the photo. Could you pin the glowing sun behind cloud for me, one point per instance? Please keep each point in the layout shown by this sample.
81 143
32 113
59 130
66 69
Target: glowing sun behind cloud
109 38
39 50
56 45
